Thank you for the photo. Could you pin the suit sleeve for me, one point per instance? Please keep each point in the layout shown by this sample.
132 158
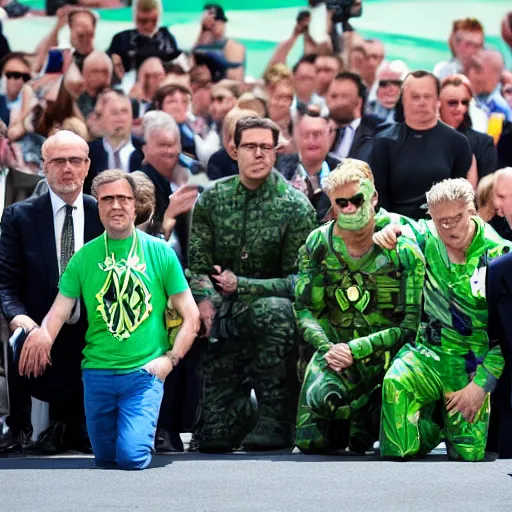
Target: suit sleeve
379 164
11 266
491 368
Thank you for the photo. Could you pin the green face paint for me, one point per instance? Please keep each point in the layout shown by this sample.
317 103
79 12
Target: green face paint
359 219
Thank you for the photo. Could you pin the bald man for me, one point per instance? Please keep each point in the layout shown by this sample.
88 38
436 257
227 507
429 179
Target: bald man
484 73
38 237
97 76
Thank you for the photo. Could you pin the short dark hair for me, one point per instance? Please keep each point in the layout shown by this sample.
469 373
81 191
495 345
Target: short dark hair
78 11
310 58
249 123
421 73
356 80
21 56
169 90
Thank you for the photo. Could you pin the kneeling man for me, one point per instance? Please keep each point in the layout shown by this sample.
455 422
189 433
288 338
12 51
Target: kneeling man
439 386
125 278
357 305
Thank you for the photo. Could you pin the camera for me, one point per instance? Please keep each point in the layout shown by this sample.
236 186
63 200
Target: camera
344 9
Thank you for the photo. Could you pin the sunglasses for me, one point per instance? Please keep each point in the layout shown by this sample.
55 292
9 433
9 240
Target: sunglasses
17 75
356 200
385 83
455 103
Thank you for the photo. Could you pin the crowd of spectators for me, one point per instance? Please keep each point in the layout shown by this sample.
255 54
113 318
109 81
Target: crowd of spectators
171 119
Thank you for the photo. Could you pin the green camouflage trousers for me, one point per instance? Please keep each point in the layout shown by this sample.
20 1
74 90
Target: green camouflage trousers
260 354
414 418
337 410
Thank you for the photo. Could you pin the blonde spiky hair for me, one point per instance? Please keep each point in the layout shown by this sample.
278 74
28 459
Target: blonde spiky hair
349 171
458 189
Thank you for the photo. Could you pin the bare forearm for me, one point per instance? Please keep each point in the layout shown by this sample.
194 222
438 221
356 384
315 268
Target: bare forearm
186 336
57 316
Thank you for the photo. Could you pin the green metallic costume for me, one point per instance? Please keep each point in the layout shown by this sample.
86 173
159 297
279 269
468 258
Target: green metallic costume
257 235
374 304
452 349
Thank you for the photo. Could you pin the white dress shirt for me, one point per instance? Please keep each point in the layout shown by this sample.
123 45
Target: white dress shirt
343 148
59 214
124 155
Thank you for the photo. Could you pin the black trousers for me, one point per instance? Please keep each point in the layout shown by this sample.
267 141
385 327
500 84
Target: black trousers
181 393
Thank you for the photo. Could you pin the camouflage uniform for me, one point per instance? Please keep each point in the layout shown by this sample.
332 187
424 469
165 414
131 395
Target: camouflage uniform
451 350
374 304
257 235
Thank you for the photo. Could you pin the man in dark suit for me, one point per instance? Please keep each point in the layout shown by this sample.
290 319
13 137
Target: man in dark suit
117 149
307 169
174 202
345 99
499 300
38 237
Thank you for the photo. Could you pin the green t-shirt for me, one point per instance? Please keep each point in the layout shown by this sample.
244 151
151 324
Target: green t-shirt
163 277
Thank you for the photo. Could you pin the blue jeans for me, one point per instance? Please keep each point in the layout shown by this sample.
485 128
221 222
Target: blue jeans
121 411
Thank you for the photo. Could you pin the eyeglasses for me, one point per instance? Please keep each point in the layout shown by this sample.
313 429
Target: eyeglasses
74 161
220 99
386 83
265 148
16 75
356 200
121 199
145 21
455 103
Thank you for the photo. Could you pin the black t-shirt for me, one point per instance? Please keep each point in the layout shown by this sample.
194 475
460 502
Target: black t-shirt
135 48
406 163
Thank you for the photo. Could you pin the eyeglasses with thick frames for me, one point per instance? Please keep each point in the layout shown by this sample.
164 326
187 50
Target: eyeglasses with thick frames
385 83
264 148
455 103
121 199
74 161
356 200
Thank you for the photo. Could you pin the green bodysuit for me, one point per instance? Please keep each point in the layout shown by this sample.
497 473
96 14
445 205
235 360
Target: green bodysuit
451 350
374 304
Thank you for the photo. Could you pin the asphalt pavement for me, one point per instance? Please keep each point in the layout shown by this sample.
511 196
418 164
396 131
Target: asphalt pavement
248 482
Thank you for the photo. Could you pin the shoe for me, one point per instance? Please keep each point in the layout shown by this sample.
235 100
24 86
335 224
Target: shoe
15 443
268 434
54 440
168 441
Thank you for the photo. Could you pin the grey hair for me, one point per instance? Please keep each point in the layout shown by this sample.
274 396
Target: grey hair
66 137
395 66
97 56
505 171
157 120
458 189
109 176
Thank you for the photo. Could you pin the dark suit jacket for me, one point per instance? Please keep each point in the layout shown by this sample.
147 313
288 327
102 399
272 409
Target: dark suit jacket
287 165
499 300
99 160
29 276
183 222
363 137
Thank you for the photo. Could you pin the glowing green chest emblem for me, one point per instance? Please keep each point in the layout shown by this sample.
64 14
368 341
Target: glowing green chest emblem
124 299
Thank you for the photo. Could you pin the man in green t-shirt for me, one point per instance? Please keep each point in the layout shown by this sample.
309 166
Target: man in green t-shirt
125 278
